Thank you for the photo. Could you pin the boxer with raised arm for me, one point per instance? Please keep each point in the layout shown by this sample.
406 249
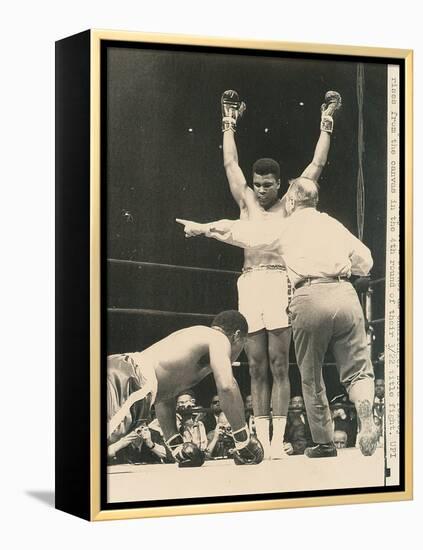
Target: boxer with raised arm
159 373
263 287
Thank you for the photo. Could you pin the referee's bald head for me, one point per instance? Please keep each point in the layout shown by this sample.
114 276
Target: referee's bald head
304 192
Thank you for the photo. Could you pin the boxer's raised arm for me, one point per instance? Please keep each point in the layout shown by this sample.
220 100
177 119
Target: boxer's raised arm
315 168
232 109
237 182
332 104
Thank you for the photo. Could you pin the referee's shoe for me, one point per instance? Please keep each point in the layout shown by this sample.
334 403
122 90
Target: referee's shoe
322 450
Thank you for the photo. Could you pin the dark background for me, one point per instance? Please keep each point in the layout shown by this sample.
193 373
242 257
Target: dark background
164 160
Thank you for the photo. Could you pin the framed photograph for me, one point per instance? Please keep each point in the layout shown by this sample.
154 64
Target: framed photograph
234 275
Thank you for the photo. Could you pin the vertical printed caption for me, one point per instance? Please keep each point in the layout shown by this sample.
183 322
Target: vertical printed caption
392 306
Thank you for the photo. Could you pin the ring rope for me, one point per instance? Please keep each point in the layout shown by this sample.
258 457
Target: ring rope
377 281
377 321
159 312
199 269
170 266
140 311
325 363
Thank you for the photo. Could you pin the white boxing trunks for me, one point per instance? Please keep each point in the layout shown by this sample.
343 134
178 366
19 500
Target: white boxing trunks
264 293
131 391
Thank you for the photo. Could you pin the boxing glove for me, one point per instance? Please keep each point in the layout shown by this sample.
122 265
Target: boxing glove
252 453
333 103
232 109
187 455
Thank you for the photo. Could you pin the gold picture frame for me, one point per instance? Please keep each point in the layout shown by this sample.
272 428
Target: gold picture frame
80 214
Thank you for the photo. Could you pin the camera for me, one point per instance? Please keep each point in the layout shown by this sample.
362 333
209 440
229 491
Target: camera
140 425
188 411
225 444
185 412
225 432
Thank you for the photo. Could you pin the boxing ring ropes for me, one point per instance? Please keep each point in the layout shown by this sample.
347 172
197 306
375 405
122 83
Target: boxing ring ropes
366 298
135 482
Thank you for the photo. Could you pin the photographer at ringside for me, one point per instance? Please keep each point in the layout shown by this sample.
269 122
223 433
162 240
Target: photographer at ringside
297 433
141 446
220 440
210 417
190 427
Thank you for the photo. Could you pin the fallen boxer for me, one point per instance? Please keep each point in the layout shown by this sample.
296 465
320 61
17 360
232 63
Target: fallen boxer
158 374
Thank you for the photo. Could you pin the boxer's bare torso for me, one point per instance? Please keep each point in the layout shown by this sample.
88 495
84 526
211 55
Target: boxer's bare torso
181 360
253 211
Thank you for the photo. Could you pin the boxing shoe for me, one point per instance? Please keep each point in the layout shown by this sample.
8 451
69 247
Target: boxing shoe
322 450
